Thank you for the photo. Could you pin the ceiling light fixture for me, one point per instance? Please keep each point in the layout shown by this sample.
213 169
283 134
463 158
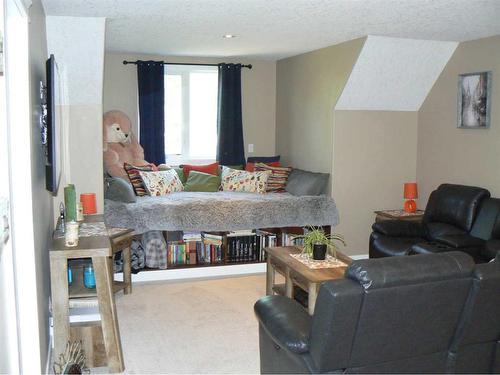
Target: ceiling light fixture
229 36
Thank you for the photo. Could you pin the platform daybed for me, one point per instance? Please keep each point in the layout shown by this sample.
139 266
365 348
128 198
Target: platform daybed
221 211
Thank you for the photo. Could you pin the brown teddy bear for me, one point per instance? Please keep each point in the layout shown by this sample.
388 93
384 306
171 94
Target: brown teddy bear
120 144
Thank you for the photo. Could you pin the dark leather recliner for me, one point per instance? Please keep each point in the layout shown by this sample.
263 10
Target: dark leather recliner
420 314
457 217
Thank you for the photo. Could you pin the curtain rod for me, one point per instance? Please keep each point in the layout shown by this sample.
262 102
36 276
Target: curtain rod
125 62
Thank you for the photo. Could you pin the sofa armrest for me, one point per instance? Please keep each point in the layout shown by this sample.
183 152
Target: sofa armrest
285 321
458 241
491 250
399 228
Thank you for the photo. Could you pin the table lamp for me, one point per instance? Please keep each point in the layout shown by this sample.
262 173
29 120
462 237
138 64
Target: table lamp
410 193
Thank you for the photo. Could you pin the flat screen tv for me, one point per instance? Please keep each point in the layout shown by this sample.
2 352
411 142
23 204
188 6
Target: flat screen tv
53 124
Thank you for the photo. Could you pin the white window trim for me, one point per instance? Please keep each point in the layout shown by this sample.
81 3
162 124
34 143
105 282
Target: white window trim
184 70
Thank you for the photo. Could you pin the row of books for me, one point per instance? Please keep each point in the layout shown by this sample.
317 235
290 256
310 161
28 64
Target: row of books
191 248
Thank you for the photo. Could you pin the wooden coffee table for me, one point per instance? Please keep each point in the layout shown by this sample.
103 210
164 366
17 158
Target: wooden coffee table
297 273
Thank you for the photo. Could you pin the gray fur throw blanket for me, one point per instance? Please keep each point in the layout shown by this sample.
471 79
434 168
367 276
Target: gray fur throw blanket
220 211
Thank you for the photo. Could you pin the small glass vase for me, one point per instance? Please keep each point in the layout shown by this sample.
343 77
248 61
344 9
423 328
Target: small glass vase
89 277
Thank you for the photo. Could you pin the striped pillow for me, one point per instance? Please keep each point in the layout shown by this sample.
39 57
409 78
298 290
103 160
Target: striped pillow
135 177
277 180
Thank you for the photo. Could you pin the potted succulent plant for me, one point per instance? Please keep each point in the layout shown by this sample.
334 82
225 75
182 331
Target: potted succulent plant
317 243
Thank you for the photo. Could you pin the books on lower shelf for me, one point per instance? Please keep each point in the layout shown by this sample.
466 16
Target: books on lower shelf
212 248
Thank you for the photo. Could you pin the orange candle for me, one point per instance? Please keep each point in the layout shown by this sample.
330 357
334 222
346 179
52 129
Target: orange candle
89 203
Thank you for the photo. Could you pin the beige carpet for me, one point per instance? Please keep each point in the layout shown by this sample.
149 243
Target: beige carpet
191 327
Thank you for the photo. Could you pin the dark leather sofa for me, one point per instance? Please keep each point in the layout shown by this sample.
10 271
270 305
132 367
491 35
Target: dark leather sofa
419 314
457 217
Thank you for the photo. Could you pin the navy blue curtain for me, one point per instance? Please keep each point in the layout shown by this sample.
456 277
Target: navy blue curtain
151 82
230 146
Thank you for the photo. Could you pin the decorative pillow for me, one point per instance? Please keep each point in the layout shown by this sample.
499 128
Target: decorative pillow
179 170
135 177
250 182
277 179
117 189
307 183
162 182
250 167
208 168
199 181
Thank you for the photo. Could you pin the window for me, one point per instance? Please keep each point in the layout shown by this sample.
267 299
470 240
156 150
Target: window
190 113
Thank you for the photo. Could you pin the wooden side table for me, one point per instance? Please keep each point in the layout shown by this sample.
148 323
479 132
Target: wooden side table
296 273
99 247
399 215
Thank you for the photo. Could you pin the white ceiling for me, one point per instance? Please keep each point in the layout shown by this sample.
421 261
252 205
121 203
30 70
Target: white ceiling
274 29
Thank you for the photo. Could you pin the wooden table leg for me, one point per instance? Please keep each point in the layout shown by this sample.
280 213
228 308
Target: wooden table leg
60 303
107 308
313 294
269 276
288 284
127 271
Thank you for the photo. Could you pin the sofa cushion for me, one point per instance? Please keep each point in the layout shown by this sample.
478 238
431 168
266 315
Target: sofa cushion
458 241
207 168
199 181
277 179
243 181
161 182
456 205
302 182
135 177
436 230
120 190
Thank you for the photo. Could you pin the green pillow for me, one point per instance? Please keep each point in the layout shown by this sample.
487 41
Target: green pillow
199 181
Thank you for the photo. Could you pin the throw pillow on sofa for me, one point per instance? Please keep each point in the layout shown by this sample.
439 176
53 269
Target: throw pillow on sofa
161 182
199 181
208 168
135 177
249 182
277 179
179 170
307 183
117 189
273 161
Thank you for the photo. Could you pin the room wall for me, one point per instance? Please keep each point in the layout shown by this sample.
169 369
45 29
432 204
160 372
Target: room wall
449 154
258 94
374 154
78 46
42 200
307 88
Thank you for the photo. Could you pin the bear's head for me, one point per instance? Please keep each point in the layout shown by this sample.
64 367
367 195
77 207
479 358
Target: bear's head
115 134
117 127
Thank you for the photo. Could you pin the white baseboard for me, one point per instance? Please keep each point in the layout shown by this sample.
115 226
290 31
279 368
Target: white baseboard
198 272
360 256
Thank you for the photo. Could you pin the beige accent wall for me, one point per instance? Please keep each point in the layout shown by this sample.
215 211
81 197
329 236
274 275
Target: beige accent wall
374 154
307 88
42 200
258 95
449 154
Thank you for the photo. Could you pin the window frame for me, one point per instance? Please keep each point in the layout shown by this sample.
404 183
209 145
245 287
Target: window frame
184 71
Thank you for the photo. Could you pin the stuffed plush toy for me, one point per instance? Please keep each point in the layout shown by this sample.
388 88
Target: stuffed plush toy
120 144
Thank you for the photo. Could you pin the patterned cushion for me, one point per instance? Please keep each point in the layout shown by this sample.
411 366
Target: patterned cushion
162 182
135 177
278 178
250 167
250 182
